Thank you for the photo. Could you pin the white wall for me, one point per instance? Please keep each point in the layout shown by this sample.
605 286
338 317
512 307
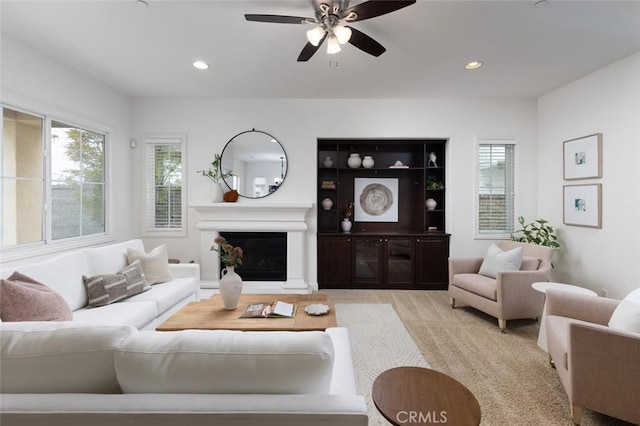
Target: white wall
297 124
607 102
39 84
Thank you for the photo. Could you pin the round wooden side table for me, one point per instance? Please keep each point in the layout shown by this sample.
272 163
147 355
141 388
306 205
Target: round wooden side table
421 396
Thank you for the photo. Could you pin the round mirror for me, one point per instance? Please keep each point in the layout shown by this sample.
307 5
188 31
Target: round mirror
257 162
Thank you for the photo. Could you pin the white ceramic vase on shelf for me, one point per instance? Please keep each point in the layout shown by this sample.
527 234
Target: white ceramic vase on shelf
327 203
346 225
230 288
368 162
430 204
327 162
354 161
217 193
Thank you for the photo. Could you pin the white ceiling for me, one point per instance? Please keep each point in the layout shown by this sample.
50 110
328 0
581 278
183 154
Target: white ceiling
147 51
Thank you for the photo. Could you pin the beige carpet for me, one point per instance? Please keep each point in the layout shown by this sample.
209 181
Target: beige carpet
379 341
507 372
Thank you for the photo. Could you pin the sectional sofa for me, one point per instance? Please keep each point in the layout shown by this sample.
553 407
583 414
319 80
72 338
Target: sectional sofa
64 274
107 366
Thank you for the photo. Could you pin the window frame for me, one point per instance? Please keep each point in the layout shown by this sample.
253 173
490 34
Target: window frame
150 141
47 245
493 235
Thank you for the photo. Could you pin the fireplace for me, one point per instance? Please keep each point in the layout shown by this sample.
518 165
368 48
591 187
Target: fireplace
265 255
286 218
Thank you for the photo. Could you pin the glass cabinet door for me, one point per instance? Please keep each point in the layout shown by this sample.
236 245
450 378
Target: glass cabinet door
368 265
399 261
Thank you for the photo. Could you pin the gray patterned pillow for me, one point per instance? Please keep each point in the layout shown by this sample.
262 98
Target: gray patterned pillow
108 288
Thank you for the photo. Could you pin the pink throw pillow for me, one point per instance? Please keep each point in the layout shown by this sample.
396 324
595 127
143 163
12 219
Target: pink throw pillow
24 299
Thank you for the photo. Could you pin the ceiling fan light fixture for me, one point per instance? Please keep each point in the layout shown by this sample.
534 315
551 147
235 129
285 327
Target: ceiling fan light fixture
333 46
342 33
315 35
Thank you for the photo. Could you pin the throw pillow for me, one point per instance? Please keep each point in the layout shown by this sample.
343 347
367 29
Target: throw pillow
155 264
498 260
108 288
24 299
626 316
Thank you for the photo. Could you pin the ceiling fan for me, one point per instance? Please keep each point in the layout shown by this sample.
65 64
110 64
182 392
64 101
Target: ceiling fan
331 24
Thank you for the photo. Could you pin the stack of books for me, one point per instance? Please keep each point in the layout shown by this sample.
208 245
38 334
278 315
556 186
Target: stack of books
328 184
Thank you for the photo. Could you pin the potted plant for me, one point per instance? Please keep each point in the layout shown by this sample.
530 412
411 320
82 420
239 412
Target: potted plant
538 232
216 175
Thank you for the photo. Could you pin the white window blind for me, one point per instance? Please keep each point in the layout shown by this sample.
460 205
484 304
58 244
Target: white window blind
165 210
496 188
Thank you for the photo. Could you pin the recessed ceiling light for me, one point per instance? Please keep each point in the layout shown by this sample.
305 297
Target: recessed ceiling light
201 65
142 3
473 65
541 3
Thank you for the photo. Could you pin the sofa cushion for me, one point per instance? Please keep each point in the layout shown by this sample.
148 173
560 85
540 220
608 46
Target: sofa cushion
108 288
222 361
65 360
62 273
626 316
111 258
498 260
136 314
24 299
155 263
477 284
166 295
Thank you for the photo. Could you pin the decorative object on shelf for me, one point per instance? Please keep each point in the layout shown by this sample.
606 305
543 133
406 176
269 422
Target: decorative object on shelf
537 232
431 204
230 282
399 165
216 175
347 212
354 161
432 160
377 199
368 162
328 184
583 157
434 183
327 162
583 205
327 203
317 309
230 196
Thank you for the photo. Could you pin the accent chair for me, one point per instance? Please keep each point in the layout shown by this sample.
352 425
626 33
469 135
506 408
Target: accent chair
509 295
598 363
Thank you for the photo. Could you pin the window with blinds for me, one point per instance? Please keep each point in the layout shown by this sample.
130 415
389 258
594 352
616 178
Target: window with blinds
495 189
166 208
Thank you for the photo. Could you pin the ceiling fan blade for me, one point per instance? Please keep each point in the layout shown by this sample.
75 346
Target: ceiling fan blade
373 8
278 19
366 43
309 50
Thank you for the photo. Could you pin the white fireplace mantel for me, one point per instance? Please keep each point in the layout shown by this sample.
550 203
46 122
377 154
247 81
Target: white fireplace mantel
214 218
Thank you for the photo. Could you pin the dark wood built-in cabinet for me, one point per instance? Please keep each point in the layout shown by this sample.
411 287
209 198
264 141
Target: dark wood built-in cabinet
408 253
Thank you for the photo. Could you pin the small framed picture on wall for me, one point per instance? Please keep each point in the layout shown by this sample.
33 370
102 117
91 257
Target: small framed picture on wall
583 157
582 205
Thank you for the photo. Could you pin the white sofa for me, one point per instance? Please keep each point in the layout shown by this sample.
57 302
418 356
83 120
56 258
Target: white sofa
63 273
57 374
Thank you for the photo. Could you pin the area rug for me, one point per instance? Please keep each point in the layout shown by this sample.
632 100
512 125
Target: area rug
379 341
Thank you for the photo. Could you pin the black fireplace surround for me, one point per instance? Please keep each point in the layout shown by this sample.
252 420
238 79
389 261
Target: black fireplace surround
265 255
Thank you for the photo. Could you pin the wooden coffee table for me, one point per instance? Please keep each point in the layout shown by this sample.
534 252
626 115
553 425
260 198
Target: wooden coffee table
210 315
421 396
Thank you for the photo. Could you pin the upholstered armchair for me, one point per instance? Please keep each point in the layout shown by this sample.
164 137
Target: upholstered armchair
598 365
509 295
